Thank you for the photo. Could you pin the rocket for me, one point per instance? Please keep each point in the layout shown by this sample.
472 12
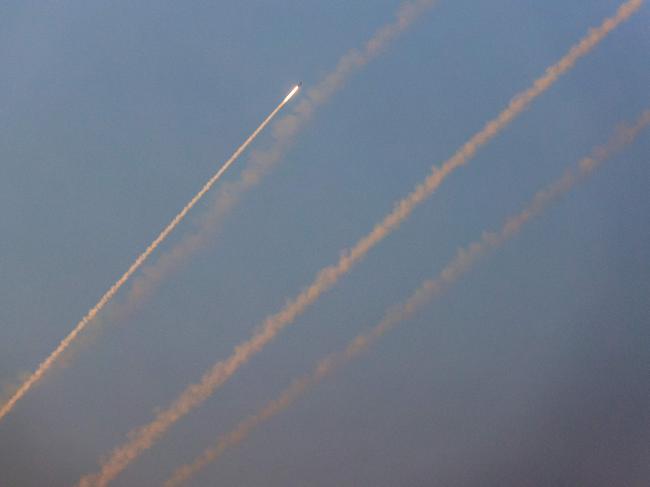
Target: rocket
293 91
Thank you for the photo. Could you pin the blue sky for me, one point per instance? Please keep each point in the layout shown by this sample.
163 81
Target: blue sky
534 367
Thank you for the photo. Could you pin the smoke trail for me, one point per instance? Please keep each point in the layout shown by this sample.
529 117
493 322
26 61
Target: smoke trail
65 343
144 437
261 162
461 263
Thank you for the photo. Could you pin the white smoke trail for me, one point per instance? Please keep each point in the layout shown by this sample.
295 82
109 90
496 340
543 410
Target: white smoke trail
44 366
144 437
462 263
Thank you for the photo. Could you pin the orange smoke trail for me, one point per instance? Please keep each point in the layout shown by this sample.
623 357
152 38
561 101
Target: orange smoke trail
261 162
144 437
65 343
461 263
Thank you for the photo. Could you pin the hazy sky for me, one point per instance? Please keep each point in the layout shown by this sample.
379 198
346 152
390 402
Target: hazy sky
533 370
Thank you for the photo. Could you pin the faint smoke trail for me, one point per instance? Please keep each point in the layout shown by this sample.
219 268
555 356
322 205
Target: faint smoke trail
284 132
462 262
65 343
144 437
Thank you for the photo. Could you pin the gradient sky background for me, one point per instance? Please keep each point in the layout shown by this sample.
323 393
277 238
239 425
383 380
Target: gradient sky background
533 370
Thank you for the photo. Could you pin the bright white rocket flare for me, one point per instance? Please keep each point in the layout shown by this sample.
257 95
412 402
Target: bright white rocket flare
292 92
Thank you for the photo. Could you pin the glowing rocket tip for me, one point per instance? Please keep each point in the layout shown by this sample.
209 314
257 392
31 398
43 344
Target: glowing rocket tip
293 91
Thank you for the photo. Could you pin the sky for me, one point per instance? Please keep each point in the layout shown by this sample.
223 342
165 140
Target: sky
533 369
